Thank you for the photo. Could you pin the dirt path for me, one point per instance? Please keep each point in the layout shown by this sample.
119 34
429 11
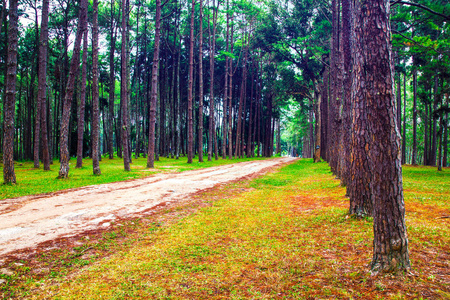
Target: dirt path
28 221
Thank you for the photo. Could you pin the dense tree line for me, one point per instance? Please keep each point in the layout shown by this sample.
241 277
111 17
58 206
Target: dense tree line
154 92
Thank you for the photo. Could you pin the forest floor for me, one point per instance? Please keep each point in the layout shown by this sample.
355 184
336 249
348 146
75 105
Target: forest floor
284 234
30 221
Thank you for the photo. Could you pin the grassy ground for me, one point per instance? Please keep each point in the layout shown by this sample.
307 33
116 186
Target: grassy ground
32 181
285 235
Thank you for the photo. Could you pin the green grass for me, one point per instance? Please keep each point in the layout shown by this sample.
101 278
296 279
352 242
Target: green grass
286 235
32 181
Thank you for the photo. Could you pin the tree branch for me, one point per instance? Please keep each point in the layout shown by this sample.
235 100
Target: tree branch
421 7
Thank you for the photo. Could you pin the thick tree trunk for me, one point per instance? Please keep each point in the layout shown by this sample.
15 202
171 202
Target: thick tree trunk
9 176
64 135
390 238
81 107
347 104
95 94
358 188
154 91
42 82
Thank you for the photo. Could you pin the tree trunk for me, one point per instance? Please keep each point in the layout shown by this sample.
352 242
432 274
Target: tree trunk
230 93
414 149
241 104
318 98
358 188
95 95
154 92
42 83
81 107
390 238
212 50
200 86
64 135
123 89
112 84
9 176
347 84
434 136
404 121
324 116
190 87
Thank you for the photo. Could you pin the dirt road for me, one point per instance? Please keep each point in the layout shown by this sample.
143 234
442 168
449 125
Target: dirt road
28 221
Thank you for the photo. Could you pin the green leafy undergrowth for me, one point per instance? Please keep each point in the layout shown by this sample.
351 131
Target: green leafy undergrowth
286 235
32 181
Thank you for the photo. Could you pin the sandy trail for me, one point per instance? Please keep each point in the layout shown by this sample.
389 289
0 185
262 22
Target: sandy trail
28 221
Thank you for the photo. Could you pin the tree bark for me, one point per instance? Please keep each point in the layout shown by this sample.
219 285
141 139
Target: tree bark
64 135
212 50
81 107
241 103
347 104
190 87
124 89
112 84
9 176
95 93
318 99
414 149
390 238
42 83
358 188
404 121
200 85
154 91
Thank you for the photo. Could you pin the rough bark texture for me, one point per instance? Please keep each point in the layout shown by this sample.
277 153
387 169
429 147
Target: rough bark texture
154 92
358 188
124 89
390 238
190 87
42 82
82 106
346 111
64 135
95 93
9 175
